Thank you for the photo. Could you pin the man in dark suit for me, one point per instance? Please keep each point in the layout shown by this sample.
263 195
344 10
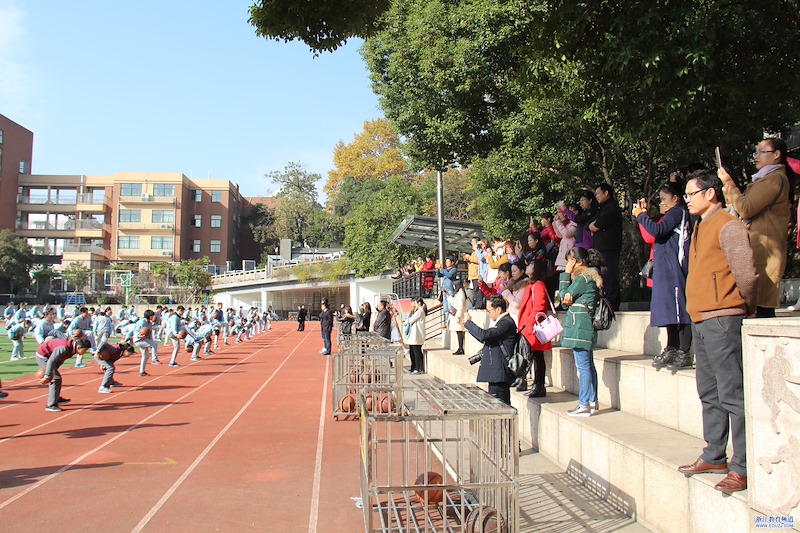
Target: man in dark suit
607 239
502 332
383 322
326 323
301 317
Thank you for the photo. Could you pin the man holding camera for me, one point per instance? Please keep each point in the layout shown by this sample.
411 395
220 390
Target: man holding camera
498 340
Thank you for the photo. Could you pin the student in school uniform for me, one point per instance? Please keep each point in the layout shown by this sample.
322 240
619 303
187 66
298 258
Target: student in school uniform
17 335
108 354
82 322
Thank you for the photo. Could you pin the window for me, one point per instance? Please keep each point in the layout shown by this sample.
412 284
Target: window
161 243
216 247
216 196
128 243
24 167
1 136
130 189
216 221
196 246
198 196
163 189
1 158
163 217
130 215
197 221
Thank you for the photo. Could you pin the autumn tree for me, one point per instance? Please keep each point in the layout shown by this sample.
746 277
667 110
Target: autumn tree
376 152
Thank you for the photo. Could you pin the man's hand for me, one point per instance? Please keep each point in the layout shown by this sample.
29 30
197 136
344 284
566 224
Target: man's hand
593 228
467 318
45 380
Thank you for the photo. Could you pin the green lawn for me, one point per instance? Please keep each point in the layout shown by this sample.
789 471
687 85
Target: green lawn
15 369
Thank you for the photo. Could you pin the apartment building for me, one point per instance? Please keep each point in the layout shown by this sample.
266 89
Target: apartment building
16 152
131 217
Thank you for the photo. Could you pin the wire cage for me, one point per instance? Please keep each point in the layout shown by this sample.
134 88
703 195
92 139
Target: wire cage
447 462
372 371
356 342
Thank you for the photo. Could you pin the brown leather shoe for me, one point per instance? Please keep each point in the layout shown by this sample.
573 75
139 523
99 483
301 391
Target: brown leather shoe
702 467
733 482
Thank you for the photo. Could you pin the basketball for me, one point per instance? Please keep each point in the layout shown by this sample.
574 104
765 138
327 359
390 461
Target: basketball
387 404
347 404
429 496
368 401
181 334
144 332
484 519
39 373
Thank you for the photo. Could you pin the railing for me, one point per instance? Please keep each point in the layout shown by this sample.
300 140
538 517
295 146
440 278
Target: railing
88 224
413 285
89 198
83 248
68 225
146 227
129 252
46 200
269 271
434 321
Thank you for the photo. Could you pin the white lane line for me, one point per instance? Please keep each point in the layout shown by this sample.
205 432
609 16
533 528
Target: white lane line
167 495
323 414
121 434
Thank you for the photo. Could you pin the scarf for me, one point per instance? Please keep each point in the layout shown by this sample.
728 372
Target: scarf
764 171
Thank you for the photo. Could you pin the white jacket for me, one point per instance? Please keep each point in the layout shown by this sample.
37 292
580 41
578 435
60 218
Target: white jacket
417 334
459 302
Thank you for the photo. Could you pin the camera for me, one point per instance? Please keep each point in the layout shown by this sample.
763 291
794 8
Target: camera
475 358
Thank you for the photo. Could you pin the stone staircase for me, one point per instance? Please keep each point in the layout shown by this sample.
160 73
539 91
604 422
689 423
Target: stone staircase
649 424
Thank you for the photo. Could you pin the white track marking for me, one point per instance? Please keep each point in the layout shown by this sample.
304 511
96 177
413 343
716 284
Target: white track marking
167 495
121 434
323 414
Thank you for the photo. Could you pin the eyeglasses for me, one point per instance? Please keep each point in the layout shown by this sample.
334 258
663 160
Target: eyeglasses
689 195
762 152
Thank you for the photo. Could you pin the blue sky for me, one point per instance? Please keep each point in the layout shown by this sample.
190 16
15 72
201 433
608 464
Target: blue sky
174 86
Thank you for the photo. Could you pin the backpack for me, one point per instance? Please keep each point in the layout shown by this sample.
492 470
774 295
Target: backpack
603 315
519 362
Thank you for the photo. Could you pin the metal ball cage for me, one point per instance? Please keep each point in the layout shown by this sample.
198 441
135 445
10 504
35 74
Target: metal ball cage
448 461
366 365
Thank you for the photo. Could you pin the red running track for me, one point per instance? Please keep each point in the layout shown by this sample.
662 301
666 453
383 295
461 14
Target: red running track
242 440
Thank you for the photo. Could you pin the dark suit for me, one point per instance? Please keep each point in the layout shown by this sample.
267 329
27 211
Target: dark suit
301 319
493 369
383 324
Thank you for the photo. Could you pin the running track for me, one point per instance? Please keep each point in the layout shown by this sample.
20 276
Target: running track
243 440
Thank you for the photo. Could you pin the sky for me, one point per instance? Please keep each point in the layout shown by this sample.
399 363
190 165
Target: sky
174 86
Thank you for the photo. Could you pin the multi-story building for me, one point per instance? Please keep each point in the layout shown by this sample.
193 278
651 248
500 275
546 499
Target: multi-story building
129 217
16 152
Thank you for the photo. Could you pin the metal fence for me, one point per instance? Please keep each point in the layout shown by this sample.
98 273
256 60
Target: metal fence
448 461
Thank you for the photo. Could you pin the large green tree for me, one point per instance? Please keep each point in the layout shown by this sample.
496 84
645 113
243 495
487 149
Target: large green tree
16 260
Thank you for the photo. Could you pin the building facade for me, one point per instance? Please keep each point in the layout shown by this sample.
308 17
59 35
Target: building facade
129 217
16 153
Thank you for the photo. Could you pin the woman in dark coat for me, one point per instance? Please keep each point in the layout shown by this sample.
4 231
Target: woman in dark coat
670 267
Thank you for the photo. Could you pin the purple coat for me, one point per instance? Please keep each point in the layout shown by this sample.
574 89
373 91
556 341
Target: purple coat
583 237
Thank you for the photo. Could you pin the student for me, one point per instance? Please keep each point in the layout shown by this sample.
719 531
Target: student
44 328
17 335
82 322
101 327
145 343
50 356
106 355
176 331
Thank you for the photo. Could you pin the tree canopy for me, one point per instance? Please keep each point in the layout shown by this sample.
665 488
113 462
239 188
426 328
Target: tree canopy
16 260
323 26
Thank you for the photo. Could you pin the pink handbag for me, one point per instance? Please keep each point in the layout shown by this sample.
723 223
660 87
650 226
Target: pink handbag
546 328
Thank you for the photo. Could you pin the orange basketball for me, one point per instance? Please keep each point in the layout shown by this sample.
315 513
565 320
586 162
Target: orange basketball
39 373
429 496
387 403
368 401
144 332
182 334
347 404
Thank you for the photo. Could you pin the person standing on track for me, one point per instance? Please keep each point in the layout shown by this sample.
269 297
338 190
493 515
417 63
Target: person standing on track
326 324
301 317
50 356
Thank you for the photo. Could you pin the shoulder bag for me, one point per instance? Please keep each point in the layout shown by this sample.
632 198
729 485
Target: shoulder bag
546 328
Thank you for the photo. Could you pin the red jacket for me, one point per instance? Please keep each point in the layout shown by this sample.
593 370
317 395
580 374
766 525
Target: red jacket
534 301
46 349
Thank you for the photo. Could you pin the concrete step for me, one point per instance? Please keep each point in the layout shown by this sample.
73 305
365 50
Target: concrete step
628 459
623 378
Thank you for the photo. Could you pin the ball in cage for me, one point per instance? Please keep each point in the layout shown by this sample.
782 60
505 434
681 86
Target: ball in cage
484 519
347 404
429 496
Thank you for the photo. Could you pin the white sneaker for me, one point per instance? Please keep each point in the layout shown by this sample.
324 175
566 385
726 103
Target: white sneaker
790 308
581 410
595 407
104 390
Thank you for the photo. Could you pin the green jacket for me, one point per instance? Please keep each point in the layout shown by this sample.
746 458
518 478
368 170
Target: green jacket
584 285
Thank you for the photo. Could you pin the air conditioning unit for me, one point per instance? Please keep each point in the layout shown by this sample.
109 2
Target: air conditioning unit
147 198
166 253
166 226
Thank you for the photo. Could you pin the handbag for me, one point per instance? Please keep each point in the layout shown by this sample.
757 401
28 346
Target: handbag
518 363
603 315
546 328
406 329
647 270
452 310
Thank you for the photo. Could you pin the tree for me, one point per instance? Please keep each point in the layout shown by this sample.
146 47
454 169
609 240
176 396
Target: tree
261 221
374 153
323 26
459 195
193 276
76 275
16 259
369 226
43 278
294 215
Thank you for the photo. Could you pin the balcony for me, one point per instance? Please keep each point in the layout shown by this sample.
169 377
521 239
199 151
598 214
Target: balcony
72 248
90 203
46 229
147 199
46 204
89 229
129 227
152 255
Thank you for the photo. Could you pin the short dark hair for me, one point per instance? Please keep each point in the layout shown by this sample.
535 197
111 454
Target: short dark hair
605 187
708 179
498 301
83 342
149 314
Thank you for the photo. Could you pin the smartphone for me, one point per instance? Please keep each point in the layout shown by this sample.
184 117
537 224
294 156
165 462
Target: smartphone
719 157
